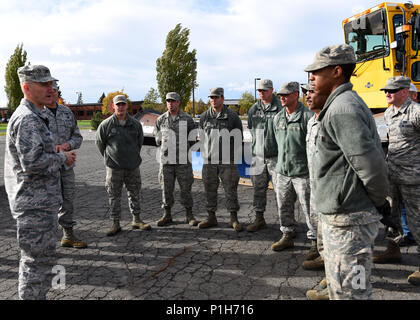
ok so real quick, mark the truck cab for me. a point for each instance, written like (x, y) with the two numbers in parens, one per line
(386, 40)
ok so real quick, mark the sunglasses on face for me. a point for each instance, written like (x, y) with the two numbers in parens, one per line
(170, 100)
(121, 104)
(391, 91)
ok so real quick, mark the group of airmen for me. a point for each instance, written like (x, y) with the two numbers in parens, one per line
(327, 156)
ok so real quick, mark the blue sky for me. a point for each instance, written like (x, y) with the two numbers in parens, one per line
(100, 46)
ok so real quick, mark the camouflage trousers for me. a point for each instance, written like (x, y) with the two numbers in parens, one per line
(36, 237)
(260, 181)
(288, 190)
(229, 175)
(347, 257)
(168, 173)
(65, 213)
(410, 195)
(115, 179)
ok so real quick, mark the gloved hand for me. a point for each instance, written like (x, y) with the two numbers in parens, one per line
(385, 211)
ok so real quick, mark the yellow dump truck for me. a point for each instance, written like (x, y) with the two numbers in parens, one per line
(386, 40)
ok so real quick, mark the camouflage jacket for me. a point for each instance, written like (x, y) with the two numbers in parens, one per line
(260, 119)
(312, 132)
(31, 164)
(63, 126)
(349, 169)
(404, 143)
(172, 137)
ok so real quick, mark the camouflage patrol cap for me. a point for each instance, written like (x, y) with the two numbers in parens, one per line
(289, 87)
(55, 85)
(35, 73)
(306, 87)
(265, 84)
(332, 56)
(413, 88)
(118, 99)
(173, 96)
(398, 82)
(217, 92)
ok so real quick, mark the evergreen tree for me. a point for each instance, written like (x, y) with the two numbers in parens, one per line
(176, 68)
(102, 97)
(13, 91)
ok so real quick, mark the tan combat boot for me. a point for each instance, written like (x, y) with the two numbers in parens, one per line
(315, 264)
(285, 242)
(70, 240)
(318, 295)
(166, 218)
(234, 223)
(114, 229)
(258, 224)
(190, 217)
(390, 255)
(210, 222)
(323, 283)
(414, 278)
(312, 252)
(138, 224)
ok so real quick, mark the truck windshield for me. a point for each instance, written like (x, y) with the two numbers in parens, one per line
(367, 36)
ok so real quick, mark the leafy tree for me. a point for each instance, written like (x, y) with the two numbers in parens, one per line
(107, 102)
(246, 102)
(200, 107)
(151, 101)
(13, 91)
(176, 68)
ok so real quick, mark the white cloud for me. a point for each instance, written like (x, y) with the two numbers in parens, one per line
(102, 45)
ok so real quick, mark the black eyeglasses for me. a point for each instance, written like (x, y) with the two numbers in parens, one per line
(121, 104)
(391, 91)
(170, 100)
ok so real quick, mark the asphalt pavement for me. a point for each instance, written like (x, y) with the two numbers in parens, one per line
(179, 262)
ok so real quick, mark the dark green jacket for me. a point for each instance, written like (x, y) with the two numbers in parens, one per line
(120, 145)
(260, 119)
(228, 126)
(349, 167)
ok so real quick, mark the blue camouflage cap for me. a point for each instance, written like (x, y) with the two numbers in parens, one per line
(35, 73)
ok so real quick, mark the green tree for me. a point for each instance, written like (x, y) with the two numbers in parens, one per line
(246, 102)
(13, 91)
(102, 97)
(96, 120)
(176, 68)
(151, 101)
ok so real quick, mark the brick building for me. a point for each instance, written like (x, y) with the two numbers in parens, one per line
(86, 111)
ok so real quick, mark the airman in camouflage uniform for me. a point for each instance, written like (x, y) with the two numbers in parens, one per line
(403, 122)
(66, 135)
(32, 181)
(264, 148)
(171, 134)
(315, 103)
(290, 128)
(220, 157)
(349, 175)
(119, 139)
